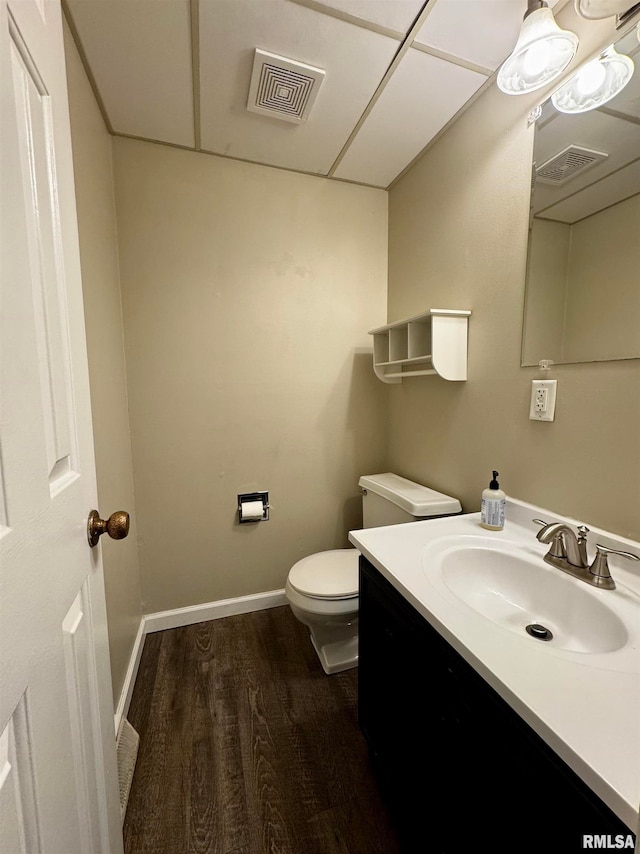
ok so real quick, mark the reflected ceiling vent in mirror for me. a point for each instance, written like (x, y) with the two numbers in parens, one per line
(567, 164)
(282, 88)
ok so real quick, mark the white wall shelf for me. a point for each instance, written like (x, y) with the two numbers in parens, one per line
(430, 343)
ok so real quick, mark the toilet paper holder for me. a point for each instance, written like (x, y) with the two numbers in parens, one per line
(251, 498)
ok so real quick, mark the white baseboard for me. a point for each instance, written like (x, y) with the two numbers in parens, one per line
(122, 709)
(162, 620)
(213, 610)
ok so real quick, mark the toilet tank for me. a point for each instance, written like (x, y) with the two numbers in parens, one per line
(388, 499)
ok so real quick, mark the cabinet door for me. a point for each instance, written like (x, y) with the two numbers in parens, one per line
(403, 709)
(398, 679)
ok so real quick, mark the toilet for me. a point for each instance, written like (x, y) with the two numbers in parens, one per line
(322, 589)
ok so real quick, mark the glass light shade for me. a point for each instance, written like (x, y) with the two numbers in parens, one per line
(595, 83)
(541, 54)
(594, 10)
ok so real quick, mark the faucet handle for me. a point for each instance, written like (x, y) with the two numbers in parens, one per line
(541, 522)
(600, 565)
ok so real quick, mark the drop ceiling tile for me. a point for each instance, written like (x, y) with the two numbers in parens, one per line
(419, 99)
(453, 26)
(355, 60)
(140, 56)
(393, 14)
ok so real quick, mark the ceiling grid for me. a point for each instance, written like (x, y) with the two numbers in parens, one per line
(398, 74)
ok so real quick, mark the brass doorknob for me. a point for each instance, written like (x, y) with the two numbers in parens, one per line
(117, 526)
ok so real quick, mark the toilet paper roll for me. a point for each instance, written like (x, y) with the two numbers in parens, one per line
(252, 509)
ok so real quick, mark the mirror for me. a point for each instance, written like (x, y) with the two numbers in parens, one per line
(582, 299)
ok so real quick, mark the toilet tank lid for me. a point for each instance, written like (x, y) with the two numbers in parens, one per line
(413, 497)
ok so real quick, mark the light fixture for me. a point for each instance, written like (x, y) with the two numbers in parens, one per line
(595, 83)
(594, 10)
(541, 54)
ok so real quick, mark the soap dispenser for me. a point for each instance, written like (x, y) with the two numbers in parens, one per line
(492, 510)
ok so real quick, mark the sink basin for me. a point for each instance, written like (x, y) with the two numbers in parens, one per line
(514, 590)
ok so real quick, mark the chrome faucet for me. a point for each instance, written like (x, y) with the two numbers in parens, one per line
(568, 552)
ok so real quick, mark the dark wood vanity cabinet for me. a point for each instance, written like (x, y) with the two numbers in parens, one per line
(461, 770)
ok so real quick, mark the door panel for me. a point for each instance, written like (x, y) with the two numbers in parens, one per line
(35, 136)
(18, 811)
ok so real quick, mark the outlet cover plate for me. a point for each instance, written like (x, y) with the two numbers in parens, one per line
(543, 400)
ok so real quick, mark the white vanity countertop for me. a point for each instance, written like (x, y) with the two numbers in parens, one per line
(589, 714)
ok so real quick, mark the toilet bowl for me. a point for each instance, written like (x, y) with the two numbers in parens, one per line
(322, 589)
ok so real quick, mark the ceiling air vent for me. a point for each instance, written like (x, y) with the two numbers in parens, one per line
(571, 161)
(282, 88)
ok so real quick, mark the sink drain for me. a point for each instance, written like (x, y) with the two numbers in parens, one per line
(538, 631)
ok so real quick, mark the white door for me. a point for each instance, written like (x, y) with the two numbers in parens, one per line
(58, 775)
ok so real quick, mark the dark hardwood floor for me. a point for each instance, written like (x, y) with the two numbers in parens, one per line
(247, 747)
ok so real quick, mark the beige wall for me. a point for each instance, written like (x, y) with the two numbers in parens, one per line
(582, 298)
(458, 239)
(546, 294)
(248, 292)
(603, 301)
(92, 158)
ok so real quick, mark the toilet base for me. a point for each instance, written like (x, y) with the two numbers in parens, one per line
(333, 628)
(337, 656)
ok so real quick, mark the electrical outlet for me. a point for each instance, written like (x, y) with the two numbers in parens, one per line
(543, 400)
